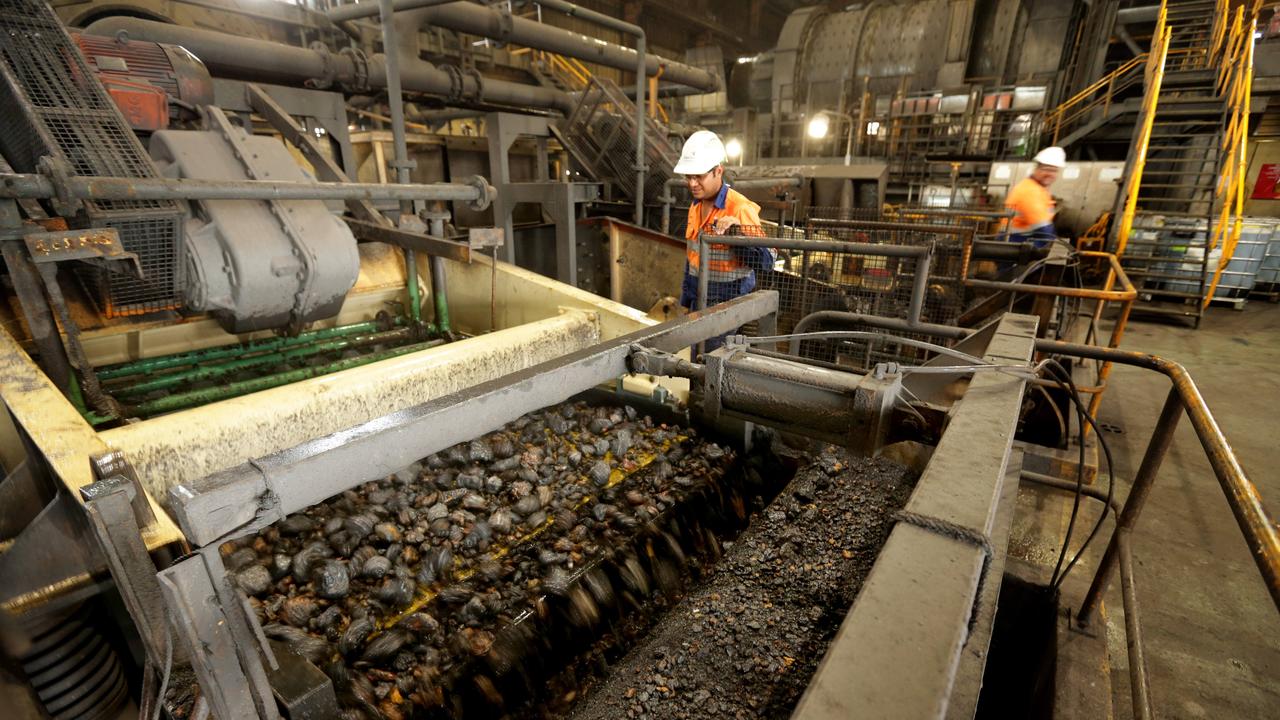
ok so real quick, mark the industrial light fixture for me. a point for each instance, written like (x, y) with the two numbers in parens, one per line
(818, 126)
(873, 127)
(733, 149)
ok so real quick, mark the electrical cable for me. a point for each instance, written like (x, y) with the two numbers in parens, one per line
(1075, 504)
(1064, 429)
(1059, 370)
(1058, 374)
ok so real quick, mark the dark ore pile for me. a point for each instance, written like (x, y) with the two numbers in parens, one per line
(463, 586)
(745, 642)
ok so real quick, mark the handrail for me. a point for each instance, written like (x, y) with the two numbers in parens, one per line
(1059, 118)
(1256, 524)
(1154, 73)
(1231, 183)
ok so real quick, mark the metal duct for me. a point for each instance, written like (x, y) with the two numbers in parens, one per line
(262, 60)
(500, 25)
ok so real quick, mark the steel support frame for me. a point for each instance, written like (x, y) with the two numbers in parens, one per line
(931, 574)
(923, 255)
(559, 199)
(1125, 296)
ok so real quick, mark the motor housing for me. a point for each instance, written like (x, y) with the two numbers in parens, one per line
(256, 264)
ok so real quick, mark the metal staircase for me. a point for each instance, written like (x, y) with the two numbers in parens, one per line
(1181, 203)
(600, 132)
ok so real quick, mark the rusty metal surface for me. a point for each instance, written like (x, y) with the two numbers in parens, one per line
(644, 266)
(87, 244)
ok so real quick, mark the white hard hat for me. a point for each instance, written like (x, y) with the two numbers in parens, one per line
(702, 152)
(1052, 156)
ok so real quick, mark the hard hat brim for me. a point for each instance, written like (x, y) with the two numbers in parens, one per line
(693, 166)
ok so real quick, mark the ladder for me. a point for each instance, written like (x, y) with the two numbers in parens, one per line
(1180, 208)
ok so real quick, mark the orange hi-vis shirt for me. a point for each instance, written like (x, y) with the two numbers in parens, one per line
(728, 203)
(1031, 204)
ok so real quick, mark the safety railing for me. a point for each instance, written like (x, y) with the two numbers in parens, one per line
(1153, 74)
(1097, 96)
(1254, 520)
(1235, 79)
(571, 72)
(1257, 525)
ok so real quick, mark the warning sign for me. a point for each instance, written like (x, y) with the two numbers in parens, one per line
(1265, 187)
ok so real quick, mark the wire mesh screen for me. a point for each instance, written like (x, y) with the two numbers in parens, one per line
(829, 265)
(52, 104)
(601, 134)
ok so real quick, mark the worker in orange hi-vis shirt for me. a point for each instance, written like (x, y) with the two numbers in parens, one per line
(717, 209)
(1031, 203)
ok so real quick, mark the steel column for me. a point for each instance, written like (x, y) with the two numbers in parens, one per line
(1139, 685)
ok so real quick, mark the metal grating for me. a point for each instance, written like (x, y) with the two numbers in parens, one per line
(51, 103)
(820, 280)
(601, 135)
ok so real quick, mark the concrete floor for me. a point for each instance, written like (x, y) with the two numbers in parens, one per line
(1211, 630)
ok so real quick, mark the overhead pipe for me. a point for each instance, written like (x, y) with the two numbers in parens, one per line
(502, 26)
(244, 58)
(343, 13)
(477, 192)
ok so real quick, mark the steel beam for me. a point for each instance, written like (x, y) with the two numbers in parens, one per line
(187, 445)
(409, 240)
(253, 495)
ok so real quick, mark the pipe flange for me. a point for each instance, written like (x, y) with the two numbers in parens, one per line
(506, 28)
(360, 64)
(325, 81)
(59, 172)
(479, 93)
(485, 195)
(455, 82)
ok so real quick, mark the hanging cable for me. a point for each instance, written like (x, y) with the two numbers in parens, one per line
(1063, 376)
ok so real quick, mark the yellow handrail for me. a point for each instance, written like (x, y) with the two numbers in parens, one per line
(1058, 117)
(1154, 72)
(1244, 77)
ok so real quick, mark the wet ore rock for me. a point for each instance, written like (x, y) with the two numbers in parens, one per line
(332, 581)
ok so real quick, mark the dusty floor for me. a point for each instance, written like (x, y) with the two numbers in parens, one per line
(1212, 632)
